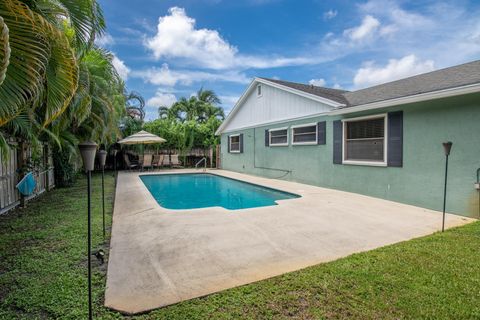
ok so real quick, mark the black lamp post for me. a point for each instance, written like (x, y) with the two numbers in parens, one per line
(447, 146)
(88, 150)
(102, 157)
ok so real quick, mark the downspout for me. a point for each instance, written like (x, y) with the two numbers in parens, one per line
(266, 168)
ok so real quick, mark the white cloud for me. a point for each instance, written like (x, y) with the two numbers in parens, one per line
(371, 74)
(161, 99)
(337, 86)
(166, 77)
(177, 38)
(330, 14)
(317, 82)
(105, 40)
(122, 69)
(428, 31)
(368, 26)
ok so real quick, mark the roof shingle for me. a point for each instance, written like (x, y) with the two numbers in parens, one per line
(328, 93)
(456, 76)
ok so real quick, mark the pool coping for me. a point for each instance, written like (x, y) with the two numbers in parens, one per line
(145, 235)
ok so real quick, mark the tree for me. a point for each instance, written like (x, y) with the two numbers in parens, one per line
(41, 43)
(55, 85)
(135, 105)
(199, 107)
(189, 122)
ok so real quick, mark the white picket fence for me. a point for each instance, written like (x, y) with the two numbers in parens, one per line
(9, 177)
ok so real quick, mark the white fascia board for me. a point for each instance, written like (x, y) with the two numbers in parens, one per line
(451, 92)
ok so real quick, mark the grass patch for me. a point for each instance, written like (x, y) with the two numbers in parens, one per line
(43, 273)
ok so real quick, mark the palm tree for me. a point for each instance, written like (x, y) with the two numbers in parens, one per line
(208, 96)
(186, 109)
(199, 107)
(210, 108)
(135, 106)
(213, 111)
(98, 104)
(164, 112)
(41, 43)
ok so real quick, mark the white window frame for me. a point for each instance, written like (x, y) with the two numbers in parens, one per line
(303, 126)
(278, 144)
(261, 90)
(230, 143)
(385, 141)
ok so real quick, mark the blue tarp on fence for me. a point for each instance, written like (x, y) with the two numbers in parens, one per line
(26, 186)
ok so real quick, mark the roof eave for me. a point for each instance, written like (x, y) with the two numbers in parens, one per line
(450, 92)
(326, 101)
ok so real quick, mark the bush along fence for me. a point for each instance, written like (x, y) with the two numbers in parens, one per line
(21, 160)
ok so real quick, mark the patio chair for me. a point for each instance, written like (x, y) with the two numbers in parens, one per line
(166, 161)
(175, 162)
(147, 161)
(157, 160)
(129, 164)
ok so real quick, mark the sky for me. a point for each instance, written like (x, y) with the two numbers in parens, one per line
(166, 50)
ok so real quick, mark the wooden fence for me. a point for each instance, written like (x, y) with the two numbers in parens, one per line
(9, 176)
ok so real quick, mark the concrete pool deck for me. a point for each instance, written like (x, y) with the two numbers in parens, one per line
(160, 257)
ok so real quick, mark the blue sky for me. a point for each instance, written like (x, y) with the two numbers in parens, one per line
(169, 49)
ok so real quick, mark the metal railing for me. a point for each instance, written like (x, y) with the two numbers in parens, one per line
(204, 159)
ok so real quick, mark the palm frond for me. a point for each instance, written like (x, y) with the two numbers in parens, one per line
(61, 79)
(28, 58)
(4, 50)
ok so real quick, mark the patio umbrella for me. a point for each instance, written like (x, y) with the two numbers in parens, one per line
(142, 137)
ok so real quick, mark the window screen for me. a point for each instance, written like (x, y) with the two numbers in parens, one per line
(305, 134)
(234, 143)
(365, 140)
(278, 136)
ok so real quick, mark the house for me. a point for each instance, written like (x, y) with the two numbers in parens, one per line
(384, 141)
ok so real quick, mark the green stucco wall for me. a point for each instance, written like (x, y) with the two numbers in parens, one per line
(419, 182)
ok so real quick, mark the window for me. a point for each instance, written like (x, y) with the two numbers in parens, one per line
(365, 140)
(279, 137)
(304, 134)
(235, 143)
(259, 91)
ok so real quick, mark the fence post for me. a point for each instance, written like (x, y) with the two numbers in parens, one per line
(217, 157)
(46, 167)
(20, 166)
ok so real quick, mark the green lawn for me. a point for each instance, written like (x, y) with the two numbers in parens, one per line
(43, 274)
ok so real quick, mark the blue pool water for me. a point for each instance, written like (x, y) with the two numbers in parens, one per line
(189, 191)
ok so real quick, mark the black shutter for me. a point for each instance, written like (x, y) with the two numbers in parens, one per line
(228, 141)
(267, 138)
(337, 141)
(322, 132)
(395, 139)
(241, 142)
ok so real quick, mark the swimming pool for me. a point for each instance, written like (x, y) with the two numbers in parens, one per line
(202, 190)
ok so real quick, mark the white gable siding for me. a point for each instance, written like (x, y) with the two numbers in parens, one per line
(273, 105)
